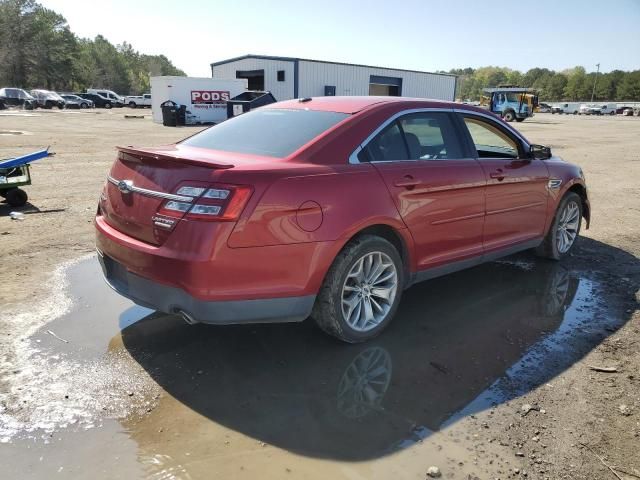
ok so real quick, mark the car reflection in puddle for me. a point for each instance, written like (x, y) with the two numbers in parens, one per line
(458, 344)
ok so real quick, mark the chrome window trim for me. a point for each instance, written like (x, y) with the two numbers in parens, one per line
(152, 193)
(353, 158)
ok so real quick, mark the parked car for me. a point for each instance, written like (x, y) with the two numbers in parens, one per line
(75, 101)
(16, 97)
(627, 112)
(48, 99)
(590, 109)
(116, 100)
(329, 207)
(608, 108)
(138, 101)
(99, 101)
(543, 108)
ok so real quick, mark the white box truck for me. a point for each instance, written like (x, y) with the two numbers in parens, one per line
(205, 98)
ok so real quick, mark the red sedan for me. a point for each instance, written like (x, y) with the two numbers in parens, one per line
(328, 207)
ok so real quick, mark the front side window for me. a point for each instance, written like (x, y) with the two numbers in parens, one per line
(270, 132)
(489, 140)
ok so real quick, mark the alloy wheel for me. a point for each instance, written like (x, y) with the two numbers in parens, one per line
(369, 291)
(568, 227)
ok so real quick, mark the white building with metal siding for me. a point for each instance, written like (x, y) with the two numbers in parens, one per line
(281, 90)
(288, 78)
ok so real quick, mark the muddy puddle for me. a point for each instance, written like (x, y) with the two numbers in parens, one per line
(112, 390)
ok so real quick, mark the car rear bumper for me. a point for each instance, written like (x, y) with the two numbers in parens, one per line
(168, 299)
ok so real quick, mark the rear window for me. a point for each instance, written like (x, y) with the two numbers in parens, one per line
(273, 133)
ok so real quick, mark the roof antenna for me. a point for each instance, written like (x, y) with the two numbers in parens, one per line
(305, 99)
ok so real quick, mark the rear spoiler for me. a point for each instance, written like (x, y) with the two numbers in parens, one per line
(146, 153)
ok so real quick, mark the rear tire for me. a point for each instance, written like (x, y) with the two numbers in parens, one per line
(564, 229)
(107, 105)
(519, 119)
(16, 197)
(361, 291)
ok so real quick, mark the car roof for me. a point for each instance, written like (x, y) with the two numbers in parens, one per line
(358, 103)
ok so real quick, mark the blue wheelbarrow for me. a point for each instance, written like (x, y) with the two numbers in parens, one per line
(14, 173)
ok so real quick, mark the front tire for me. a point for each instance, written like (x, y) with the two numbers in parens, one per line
(361, 291)
(564, 229)
(132, 104)
(509, 116)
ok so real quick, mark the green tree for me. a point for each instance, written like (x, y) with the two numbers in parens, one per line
(38, 50)
(577, 87)
(16, 40)
(629, 88)
(555, 87)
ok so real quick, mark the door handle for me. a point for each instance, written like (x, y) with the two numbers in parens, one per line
(498, 175)
(407, 182)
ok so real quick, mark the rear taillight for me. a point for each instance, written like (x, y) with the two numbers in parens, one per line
(220, 202)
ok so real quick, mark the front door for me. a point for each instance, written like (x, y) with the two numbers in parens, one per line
(516, 194)
(438, 192)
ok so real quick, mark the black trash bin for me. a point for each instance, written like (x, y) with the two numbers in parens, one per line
(169, 113)
(247, 101)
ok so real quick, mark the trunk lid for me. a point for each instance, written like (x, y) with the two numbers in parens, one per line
(142, 180)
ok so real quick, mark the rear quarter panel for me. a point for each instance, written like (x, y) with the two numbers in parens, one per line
(347, 198)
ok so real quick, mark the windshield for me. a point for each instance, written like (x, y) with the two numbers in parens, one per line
(270, 132)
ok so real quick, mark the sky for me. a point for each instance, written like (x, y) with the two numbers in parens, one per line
(425, 35)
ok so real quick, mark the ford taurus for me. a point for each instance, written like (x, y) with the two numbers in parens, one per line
(329, 208)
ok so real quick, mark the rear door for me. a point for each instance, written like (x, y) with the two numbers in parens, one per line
(438, 190)
(516, 193)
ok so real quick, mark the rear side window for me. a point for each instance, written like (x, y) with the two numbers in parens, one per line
(417, 136)
(430, 136)
(388, 145)
(270, 132)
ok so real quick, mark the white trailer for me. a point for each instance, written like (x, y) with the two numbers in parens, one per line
(205, 98)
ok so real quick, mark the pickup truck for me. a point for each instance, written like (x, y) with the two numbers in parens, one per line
(590, 109)
(138, 101)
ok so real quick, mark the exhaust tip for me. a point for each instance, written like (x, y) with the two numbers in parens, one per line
(187, 317)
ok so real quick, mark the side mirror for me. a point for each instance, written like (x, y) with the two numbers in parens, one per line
(540, 152)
